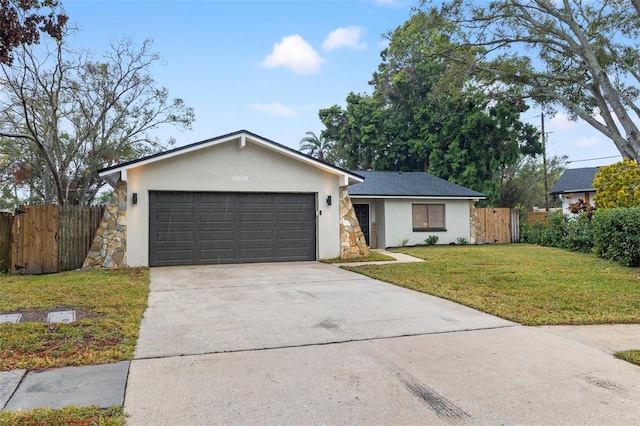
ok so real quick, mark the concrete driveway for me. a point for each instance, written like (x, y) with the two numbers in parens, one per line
(308, 343)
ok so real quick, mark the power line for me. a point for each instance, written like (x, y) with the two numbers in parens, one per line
(591, 159)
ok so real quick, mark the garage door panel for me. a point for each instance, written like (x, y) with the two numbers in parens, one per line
(174, 256)
(216, 217)
(257, 235)
(224, 236)
(257, 217)
(293, 235)
(175, 217)
(175, 236)
(174, 197)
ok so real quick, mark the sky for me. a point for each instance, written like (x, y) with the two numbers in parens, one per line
(268, 66)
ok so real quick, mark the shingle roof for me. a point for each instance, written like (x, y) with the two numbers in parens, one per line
(415, 184)
(575, 180)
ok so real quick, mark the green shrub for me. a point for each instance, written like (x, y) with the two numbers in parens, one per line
(462, 241)
(431, 240)
(556, 231)
(531, 234)
(579, 233)
(616, 235)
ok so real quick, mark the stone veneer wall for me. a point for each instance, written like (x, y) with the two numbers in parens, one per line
(477, 230)
(109, 247)
(352, 242)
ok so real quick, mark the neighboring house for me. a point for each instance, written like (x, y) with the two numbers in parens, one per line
(575, 184)
(241, 198)
(406, 207)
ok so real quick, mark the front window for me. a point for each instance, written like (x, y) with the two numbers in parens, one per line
(428, 217)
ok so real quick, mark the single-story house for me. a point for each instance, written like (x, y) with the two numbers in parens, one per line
(241, 198)
(575, 184)
(397, 208)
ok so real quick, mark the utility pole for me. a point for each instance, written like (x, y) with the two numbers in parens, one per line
(544, 165)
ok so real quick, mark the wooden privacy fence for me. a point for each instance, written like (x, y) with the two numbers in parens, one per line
(534, 217)
(497, 225)
(45, 239)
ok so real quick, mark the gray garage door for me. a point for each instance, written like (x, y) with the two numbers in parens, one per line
(188, 228)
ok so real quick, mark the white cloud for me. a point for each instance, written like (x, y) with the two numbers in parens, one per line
(561, 122)
(348, 37)
(274, 109)
(295, 53)
(586, 142)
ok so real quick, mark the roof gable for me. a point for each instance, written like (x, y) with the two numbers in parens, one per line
(408, 184)
(119, 171)
(575, 180)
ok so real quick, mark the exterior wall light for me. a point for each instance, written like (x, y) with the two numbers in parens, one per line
(329, 200)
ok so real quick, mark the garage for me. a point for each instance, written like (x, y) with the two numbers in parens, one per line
(189, 228)
(234, 198)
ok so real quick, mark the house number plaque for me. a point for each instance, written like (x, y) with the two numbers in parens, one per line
(238, 178)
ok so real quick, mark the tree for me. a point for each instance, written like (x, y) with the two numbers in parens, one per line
(316, 146)
(66, 115)
(523, 184)
(421, 117)
(22, 23)
(617, 185)
(356, 132)
(577, 55)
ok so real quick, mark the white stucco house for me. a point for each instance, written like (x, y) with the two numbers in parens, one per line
(396, 208)
(242, 198)
(575, 184)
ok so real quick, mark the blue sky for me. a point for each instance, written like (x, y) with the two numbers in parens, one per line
(268, 66)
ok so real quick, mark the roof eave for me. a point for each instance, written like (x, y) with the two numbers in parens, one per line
(571, 191)
(433, 197)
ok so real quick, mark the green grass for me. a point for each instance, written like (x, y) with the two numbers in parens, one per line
(632, 356)
(72, 416)
(374, 256)
(109, 305)
(529, 284)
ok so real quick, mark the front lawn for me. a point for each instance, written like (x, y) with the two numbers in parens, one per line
(109, 306)
(632, 356)
(70, 416)
(528, 284)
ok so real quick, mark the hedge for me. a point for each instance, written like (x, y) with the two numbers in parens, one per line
(616, 235)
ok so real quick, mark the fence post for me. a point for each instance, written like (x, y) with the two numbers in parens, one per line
(515, 225)
(6, 223)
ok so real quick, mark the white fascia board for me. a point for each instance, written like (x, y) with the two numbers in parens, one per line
(578, 190)
(413, 197)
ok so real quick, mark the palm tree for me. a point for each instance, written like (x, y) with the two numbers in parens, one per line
(316, 146)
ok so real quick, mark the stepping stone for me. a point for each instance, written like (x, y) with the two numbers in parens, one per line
(10, 318)
(61, 316)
